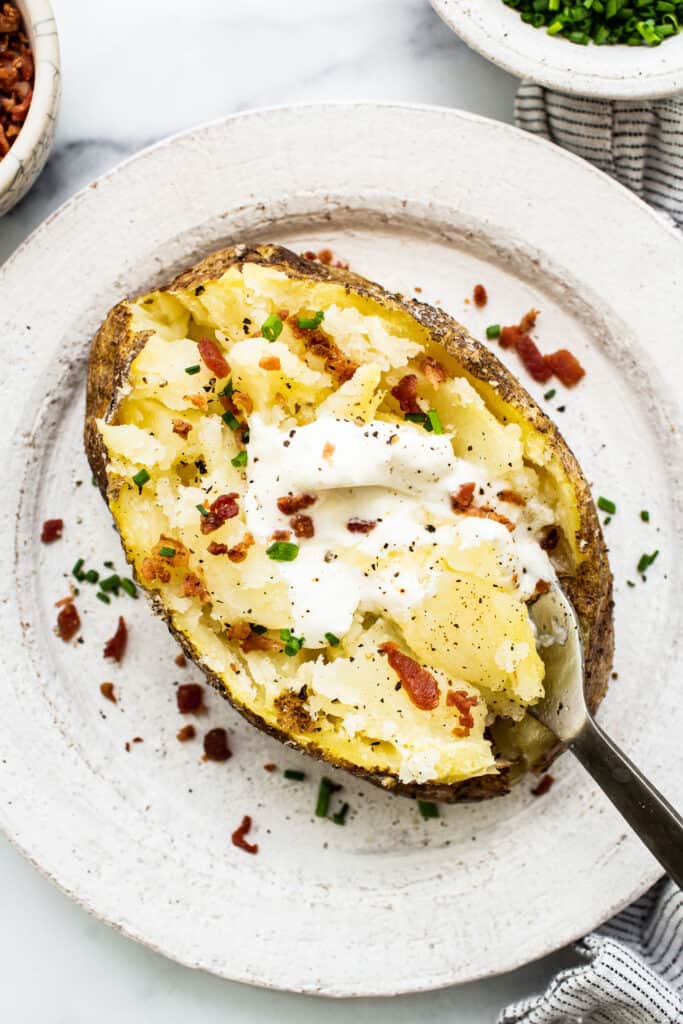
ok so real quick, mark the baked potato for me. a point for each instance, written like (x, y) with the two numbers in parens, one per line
(343, 505)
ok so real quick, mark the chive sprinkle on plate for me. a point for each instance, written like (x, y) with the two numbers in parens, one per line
(604, 22)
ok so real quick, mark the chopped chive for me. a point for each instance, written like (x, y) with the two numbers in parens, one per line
(93, 481)
(193, 369)
(340, 817)
(231, 420)
(293, 644)
(292, 773)
(228, 389)
(129, 587)
(428, 810)
(646, 561)
(493, 331)
(630, 583)
(111, 584)
(167, 552)
(103, 597)
(605, 505)
(310, 323)
(202, 510)
(550, 394)
(141, 478)
(271, 328)
(108, 565)
(332, 640)
(283, 551)
(240, 459)
(325, 791)
(259, 630)
(77, 570)
(433, 418)
(91, 576)
(645, 516)
(415, 417)
(607, 520)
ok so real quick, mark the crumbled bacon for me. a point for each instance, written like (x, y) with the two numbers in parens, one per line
(223, 508)
(405, 393)
(216, 745)
(213, 358)
(434, 372)
(339, 366)
(187, 732)
(485, 512)
(291, 503)
(215, 548)
(189, 697)
(199, 401)
(180, 660)
(270, 767)
(542, 587)
(181, 427)
(550, 539)
(535, 364)
(242, 402)
(355, 525)
(543, 786)
(463, 497)
(328, 450)
(238, 552)
(479, 295)
(511, 497)
(566, 367)
(302, 525)
(325, 256)
(528, 321)
(192, 586)
(461, 700)
(509, 336)
(281, 535)
(52, 530)
(181, 556)
(420, 685)
(107, 691)
(238, 631)
(155, 569)
(239, 834)
(16, 76)
(261, 642)
(115, 647)
(270, 363)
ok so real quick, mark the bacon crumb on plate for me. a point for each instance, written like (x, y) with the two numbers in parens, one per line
(216, 745)
(270, 767)
(115, 647)
(180, 660)
(68, 622)
(566, 367)
(480, 296)
(187, 732)
(543, 786)
(189, 698)
(52, 530)
(238, 836)
(107, 691)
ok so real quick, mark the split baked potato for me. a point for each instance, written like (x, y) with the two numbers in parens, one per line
(343, 505)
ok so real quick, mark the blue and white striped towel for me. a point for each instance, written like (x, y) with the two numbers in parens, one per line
(633, 972)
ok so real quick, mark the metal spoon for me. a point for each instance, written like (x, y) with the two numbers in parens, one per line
(563, 710)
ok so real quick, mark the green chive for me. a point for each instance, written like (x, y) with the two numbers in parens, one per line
(433, 418)
(77, 570)
(325, 791)
(493, 331)
(605, 505)
(293, 644)
(310, 323)
(129, 587)
(259, 630)
(108, 565)
(111, 584)
(193, 369)
(228, 389)
(607, 520)
(271, 328)
(646, 561)
(645, 516)
(417, 417)
(141, 478)
(203, 511)
(340, 817)
(428, 810)
(231, 420)
(630, 583)
(332, 640)
(283, 551)
(240, 459)
(550, 394)
(91, 576)
(103, 597)
(167, 552)
(292, 773)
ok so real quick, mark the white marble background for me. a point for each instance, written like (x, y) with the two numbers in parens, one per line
(134, 71)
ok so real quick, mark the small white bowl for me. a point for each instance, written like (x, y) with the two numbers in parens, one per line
(25, 160)
(609, 72)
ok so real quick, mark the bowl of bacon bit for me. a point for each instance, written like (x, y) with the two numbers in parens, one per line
(29, 94)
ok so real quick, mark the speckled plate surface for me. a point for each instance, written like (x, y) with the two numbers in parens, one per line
(416, 198)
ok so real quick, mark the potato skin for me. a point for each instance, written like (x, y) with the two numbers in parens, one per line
(590, 590)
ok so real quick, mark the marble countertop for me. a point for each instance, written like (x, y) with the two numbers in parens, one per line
(133, 72)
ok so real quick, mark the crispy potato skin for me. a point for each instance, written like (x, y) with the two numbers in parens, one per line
(590, 590)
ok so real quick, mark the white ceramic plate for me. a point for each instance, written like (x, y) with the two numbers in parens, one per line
(610, 72)
(413, 197)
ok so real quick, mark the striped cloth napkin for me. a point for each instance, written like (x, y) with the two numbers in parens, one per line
(633, 969)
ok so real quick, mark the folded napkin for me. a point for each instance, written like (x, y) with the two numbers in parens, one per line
(633, 971)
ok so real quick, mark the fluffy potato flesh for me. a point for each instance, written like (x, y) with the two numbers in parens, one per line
(340, 522)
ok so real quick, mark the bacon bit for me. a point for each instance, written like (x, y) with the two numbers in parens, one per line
(339, 366)
(528, 321)
(543, 786)
(213, 358)
(270, 767)
(242, 402)
(309, 255)
(550, 539)
(261, 642)
(180, 660)
(65, 600)
(188, 732)
(512, 498)
(509, 336)
(192, 586)
(270, 363)
(127, 746)
(325, 256)
(181, 427)
(419, 684)
(281, 535)
(155, 569)
(16, 76)
(52, 530)
(189, 697)
(418, 289)
(115, 647)
(542, 587)
(199, 401)
(405, 393)
(434, 372)
(461, 700)
(480, 296)
(238, 552)
(291, 503)
(534, 362)
(239, 631)
(223, 508)
(328, 450)
(107, 690)
(302, 526)
(462, 499)
(355, 525)
(566, 367)
(215, 548)
(239, 834)
(177, 561)
(216, 745)
(485, 512)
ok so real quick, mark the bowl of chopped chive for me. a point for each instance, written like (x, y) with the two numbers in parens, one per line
(612, 49)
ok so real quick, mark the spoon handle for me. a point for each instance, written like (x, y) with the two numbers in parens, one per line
(654, 819)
